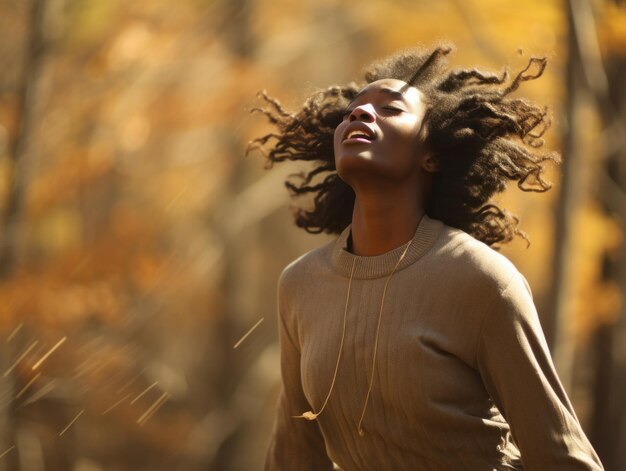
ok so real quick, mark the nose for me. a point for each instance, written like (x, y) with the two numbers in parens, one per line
(363, 112)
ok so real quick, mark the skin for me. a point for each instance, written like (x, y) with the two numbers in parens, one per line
(392, 174)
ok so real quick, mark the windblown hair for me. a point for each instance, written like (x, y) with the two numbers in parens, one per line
(481, 137)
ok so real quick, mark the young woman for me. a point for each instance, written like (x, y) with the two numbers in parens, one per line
(408, 343)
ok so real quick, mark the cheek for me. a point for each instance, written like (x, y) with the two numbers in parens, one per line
(339, 132)
(337, 137)
(409, 136)
(404, 148)
(402, 140)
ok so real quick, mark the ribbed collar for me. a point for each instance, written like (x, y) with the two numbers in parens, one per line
(381, 265)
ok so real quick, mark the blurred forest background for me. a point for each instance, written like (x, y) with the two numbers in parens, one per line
(138, 244)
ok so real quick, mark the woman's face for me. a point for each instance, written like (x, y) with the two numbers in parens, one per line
(380, 133)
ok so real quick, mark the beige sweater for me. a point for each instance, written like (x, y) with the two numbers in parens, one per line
(463, 379)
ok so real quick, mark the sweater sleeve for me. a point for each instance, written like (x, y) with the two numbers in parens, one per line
(297, 444)
(514, 362)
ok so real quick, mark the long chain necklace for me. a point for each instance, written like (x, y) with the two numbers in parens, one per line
(310, 415)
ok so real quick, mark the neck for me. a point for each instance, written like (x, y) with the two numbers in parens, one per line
(385, 220)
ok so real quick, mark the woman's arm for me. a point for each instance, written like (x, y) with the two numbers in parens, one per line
(297, 444)
(518, 373)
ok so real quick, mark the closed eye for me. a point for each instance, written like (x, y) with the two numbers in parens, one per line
(392, 109)
(388, 109)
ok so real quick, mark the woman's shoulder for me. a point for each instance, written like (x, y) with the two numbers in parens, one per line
(307, 264)
(467, 258)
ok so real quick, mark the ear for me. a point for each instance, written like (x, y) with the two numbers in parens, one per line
(430, 164)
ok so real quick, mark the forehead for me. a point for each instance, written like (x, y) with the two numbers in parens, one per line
(395, 88)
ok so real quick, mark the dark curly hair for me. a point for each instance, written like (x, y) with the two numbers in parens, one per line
(480, 136)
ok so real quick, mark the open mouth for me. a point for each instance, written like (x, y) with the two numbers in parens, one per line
(359, 135)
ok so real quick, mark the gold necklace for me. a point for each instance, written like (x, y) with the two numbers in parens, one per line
(310, 415)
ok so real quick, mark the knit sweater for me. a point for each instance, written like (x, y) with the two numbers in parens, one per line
(463, 377)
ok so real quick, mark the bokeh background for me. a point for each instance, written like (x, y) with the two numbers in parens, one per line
(138, 243)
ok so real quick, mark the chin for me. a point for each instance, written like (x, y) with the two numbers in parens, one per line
(347, 164)
(362, 167)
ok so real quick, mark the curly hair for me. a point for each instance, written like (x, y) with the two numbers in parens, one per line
(481, 137)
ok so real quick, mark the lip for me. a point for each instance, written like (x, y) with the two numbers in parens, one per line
(362, 127)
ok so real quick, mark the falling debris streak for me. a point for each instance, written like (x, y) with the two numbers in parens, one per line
(101, 365)
(2, 455)
(6, 393)
(89, 362)
(90, 344)
(248, 333)
(176, 198)
(25, 388)
(43, 358)
(114, 380)
(94, 367)
(41, 393)
(144, 392)
(84, 367)
(20, 358)
(129, 382)
(71, 423)
(116, 404)
(37, 352)
(15, 331)
(80, 264)
(153, 408)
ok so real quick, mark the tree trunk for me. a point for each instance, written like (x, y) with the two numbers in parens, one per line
(20, 155)
(608, 431)
(569, 196)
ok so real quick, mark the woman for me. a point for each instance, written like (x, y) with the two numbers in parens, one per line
(408, 343)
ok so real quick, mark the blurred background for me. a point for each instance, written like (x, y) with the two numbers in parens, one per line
(138, 244)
